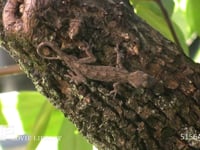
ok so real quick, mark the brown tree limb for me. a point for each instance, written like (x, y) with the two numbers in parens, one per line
(155, 118)
(10, 70)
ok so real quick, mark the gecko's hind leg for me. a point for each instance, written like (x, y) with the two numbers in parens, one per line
(75, 78)
(90, 57)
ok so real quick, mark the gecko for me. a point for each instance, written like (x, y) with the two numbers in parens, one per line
(81, 69)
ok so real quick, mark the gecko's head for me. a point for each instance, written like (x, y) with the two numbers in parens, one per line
(139, 79)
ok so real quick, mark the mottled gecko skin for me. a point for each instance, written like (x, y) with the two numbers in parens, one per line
(83, 71)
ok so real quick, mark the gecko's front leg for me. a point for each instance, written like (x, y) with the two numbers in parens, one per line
(118, 59)
(115, 89)
(118, 65)
(137, 79)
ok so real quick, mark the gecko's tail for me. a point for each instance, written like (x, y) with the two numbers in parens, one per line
(139, 79)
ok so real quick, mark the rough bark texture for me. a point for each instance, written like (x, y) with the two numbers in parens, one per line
(161, 117)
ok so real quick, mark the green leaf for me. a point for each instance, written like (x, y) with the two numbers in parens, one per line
(29, 105)
(55, 123)
(135, 2)
(197, 56)
(169, 6)
(151, 13)
(40, 125)
(2, 118)
(181, 38)
(71, 139)
(192, 14)
(38, 116)
(179, 17)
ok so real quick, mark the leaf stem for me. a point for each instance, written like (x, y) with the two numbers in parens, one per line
(169, 23)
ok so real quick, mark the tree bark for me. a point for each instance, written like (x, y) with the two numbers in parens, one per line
(165, 116)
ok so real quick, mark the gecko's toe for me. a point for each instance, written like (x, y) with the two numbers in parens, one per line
(115, 89)
(113, 93)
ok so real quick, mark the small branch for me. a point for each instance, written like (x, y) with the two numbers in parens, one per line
(169, 23)
(9, 70)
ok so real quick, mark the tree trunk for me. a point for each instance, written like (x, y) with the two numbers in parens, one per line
(165, 115)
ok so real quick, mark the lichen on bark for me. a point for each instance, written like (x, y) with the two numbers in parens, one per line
(153, 118)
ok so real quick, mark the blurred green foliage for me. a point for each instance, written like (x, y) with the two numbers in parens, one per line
(183, 14)
(2, 117)
(40, 118)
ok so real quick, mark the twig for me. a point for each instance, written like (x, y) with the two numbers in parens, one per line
(9, 70)
(169, 23)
